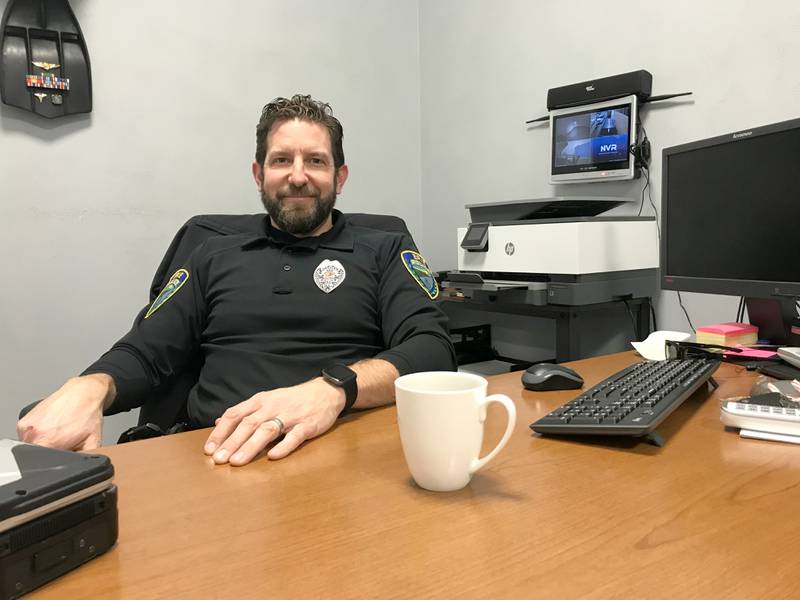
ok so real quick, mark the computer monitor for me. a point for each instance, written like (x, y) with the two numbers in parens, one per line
(731, 221)
(592, 142)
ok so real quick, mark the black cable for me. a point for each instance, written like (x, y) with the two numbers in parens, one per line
(639, 121)
(646, 169)
(740, 311)
(680, 301)
(639, 144)
(646, 185)
(650, 197)
(636, 333)
(653, 314)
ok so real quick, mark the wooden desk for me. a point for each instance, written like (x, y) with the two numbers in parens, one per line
(709, 515)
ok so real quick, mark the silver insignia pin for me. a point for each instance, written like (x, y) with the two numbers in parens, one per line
(328, 275)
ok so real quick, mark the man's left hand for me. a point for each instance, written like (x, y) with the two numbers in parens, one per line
(306, 411)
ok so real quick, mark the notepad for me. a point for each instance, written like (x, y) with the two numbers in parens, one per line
(728, 334)
(753, 353)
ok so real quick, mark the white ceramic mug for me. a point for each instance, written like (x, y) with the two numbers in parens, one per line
(441, 416)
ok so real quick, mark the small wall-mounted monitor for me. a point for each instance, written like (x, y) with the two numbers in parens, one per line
(593, 142)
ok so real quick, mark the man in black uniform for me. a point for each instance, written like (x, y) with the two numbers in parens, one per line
(296, 325)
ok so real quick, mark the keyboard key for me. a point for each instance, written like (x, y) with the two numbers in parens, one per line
(585, 420)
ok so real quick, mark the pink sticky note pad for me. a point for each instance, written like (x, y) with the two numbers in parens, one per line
(752, 353)
(729, 329)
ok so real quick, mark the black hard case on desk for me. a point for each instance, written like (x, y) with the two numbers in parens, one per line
(57, 511)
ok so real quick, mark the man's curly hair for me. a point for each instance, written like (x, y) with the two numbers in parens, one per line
(304, 108)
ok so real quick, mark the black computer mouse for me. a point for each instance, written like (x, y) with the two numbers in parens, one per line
(545, 377)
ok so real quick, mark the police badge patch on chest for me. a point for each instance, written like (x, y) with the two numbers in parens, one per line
(328, 275)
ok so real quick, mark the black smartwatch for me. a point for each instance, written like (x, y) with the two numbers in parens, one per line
(345, 378)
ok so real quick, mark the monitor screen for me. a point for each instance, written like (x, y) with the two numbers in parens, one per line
(592, 142)
(730, 217)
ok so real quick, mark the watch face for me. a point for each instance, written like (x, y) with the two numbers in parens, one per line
(339, 373)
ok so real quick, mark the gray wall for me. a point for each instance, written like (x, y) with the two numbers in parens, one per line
(89, 203)
(486, 68)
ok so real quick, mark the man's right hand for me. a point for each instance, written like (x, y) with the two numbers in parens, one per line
(71, 418)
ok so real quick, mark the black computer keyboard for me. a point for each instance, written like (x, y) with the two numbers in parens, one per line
(632, 402)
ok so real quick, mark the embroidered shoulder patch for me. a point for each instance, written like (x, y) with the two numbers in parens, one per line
(421, 272)
(173, 285)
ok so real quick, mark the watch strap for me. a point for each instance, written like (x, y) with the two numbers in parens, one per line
(349, 384)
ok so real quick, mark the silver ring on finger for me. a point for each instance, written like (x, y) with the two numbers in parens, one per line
(277, 422)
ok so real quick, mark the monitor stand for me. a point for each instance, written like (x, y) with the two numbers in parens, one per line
(773, 317)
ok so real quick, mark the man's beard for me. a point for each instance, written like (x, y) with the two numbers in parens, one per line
(297, 219)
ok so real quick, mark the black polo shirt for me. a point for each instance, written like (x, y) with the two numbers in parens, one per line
(267, 311)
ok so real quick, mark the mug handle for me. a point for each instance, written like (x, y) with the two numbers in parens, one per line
(512, 420)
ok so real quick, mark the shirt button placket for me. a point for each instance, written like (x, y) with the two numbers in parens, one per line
(288, 256)
(284, 285)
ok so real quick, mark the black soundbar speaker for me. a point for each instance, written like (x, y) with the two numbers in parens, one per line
(598, 90)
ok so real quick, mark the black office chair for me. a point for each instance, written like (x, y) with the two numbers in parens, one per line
(165, 408)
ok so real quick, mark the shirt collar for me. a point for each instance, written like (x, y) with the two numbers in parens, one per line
(339, 237)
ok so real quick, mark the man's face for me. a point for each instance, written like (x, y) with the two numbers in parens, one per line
(298, 182)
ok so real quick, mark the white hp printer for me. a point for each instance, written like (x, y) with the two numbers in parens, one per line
(555, 251)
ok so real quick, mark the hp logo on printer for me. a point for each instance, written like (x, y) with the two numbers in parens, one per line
(509, 248)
